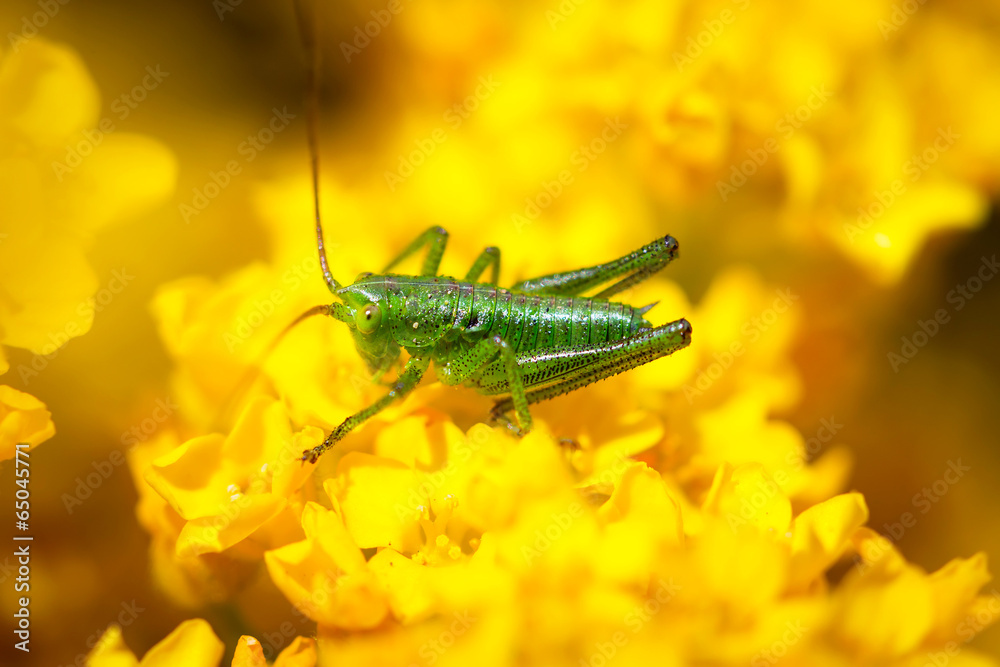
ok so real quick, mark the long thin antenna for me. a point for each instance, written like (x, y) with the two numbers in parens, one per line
(309, 39)
(251, 375)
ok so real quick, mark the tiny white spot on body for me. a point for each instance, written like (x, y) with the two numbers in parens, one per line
(416, 324)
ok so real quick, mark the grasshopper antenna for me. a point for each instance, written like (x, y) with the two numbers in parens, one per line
(252, 373)
(335, 310)
(308, 30)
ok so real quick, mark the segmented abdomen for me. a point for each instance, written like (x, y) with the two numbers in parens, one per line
(541, 321)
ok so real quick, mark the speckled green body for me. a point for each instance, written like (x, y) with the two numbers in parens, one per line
(538, 339)
(443, 317)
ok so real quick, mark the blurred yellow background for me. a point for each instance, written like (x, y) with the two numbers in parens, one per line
(710, 151)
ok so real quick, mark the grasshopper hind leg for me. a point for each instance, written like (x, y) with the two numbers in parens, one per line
(635, 267)
(550, 374)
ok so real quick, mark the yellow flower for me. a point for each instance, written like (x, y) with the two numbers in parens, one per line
(192, 580)
(497, 535)
(326, 576)
(300, 653)
(61, 181)
(191, 643)
(23, 419)
(686, 523)
(226, 488)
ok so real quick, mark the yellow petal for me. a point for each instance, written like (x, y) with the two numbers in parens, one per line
(747, 498)
(642, 498)
(46, 93)
(184, 477)
(406, 441)
(325, 576)
(822, 533)
(249, 653)
(300, 653)
(192, 644)
(955, 588)
(46, 284)
(410, 596)
(110, 650)
(126, 174)
(23, 418)
(214, 534)
(377, 496)
(288, 474)
(887, 618)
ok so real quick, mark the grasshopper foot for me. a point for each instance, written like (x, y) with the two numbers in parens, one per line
(500, 418)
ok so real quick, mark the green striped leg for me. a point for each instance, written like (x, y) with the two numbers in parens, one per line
(489, 256)
(551, 374)
(407, 382)
(635, 266)
(435, 238)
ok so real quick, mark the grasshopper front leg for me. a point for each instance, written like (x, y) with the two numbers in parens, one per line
(435, 238)
(407, 382)
(489, 257)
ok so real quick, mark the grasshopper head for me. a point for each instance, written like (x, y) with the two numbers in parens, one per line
(365, 311)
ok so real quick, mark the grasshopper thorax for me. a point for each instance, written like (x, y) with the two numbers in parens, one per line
(392, 311)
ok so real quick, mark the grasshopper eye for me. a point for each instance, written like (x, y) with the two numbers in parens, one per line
(368, 318)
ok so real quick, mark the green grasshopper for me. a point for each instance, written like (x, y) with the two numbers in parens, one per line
(529, 343)
(538, 339)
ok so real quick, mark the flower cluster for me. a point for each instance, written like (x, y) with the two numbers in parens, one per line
(685, 524)
(665, 516)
